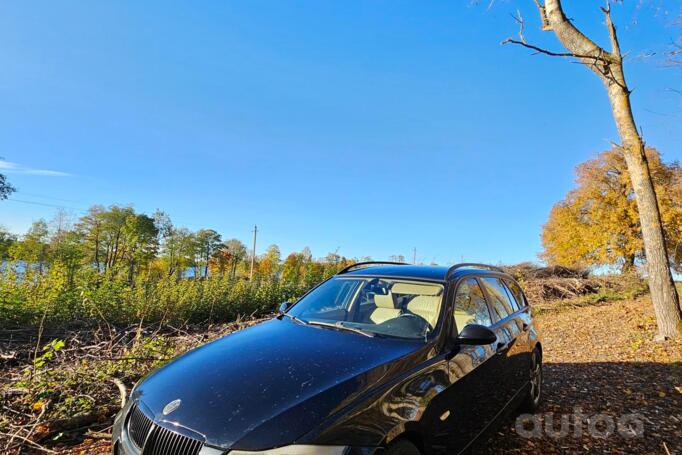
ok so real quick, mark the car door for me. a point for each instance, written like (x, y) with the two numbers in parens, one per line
(522, 319)
(470, 403)
(510, 349)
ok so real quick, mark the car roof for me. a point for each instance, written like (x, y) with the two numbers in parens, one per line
(421, 272)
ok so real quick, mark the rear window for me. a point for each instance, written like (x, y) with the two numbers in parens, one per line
(501, 305)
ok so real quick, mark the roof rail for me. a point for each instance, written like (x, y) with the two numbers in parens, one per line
(360, 264)
(463, 265)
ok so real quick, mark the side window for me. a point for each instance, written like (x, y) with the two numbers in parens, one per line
(500, 304)
(516, 292)
(512, 299)
(470, 306)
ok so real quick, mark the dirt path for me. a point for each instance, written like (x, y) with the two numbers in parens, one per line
(601, 361)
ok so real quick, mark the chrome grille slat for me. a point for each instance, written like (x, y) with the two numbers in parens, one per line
(171, 444)
(150, 447)
(156, 443)
(162, 438)
(179, 443)
(195, 447)
(186, 446)
(138, 426)
(153, 439)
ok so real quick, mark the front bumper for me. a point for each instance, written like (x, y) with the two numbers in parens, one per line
(122, 444)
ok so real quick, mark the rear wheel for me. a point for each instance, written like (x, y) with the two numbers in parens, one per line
(531, 402)
(402, 447)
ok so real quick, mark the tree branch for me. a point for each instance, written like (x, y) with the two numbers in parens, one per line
(615, 46)
(672, 55)
(519, 20)
(122, 390)
(555, 54)
(578, 46)
(576, 42)
(543, 15)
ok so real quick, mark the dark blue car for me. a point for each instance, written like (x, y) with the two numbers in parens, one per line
(380, 358)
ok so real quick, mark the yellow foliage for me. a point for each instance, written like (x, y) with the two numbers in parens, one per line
(597, 223)
(38, 406)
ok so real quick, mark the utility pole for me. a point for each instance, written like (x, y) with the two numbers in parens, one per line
(414, 255)
(253, 251)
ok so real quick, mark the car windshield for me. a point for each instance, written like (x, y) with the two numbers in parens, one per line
(376, 306)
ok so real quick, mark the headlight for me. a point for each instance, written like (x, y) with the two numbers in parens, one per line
(296, 450)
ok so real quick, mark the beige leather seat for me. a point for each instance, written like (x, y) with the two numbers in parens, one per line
(462, 319)
(426, 301)
(426, 306)
(385, 308)
(465, 306)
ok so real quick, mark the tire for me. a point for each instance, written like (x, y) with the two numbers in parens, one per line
(533, 398)
(402, 447)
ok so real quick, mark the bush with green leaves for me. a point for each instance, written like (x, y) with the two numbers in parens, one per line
(32, 296)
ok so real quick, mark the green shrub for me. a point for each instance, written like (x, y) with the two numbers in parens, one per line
(30, 296)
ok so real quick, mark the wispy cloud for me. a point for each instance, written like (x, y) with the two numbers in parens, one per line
(16, 168)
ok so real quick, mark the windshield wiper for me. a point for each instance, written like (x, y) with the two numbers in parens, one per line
(340, 326)
(293, 318)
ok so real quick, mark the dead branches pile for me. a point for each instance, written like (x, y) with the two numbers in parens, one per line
(64, 389)
(549, 284)
(555, 288)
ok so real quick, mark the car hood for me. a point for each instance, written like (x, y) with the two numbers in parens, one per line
(267, 385)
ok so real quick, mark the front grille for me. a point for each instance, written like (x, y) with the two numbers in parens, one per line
(138, 426)
(156, 440)
(167, 442)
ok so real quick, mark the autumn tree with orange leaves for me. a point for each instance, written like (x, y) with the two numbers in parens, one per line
(597, 223)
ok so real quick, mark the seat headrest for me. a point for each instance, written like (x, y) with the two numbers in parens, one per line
(384, 301)
(416, 289)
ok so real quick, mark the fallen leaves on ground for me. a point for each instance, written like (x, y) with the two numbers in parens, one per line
(602, 362)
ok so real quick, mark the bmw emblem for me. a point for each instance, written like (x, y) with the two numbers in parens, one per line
(172, 406)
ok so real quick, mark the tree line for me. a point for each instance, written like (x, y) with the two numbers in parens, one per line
(116, 254)
(124, 266)
(118, 243)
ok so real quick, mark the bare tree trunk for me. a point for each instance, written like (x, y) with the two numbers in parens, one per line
(663, 293)
(97, 249)
(608, 66)
(208, 258)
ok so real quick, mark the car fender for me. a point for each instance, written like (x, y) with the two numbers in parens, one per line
(399, 405)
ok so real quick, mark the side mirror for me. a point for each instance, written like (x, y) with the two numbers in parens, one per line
(285, 306)
(476, 335)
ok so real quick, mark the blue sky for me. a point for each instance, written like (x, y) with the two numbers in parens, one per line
(372, 127)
